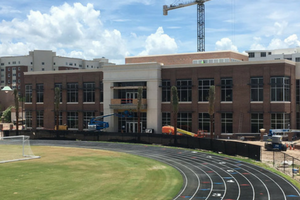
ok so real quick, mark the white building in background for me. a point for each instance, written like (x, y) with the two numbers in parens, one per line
(292, 54)
(12, 68)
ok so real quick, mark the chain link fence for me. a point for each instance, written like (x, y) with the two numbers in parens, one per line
(286, 164)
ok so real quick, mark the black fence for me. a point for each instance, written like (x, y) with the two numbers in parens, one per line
(226, 147)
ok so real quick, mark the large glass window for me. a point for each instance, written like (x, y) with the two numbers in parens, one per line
(184, 121)
(87, 116)
(28, 93)
(184, 88)
(280, 121)
(203, 88)
(226, 122)
(204, 122)
(59, 85)
(72, 119)
(166, 93)
(40, 92)
(40, 118)
(72, 92)
(166, 118)
(28, 118)
(280, 89)
(226, 89)
(257, 122)
(257, 85)
(88, 92)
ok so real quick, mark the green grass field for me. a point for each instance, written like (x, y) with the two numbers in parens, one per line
(74, 173)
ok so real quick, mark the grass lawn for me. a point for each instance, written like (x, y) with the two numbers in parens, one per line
(75, 173)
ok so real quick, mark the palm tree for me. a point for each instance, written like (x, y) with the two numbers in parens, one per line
(56, 106)
(174, 102)
(22, 99)
(139, 104)
(16, 98)
(211, 108)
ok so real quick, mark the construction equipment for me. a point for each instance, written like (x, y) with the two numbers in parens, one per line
(97, 123)
(170, 131)
(200, 19)
(273, 141)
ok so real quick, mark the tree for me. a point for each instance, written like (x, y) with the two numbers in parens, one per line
(139, 104)
(22, 99)
(56, 106)
(7, 115)
(211, 108)
(174, 102)
(16, 99)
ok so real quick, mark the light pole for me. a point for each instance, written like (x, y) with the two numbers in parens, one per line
(6, 89)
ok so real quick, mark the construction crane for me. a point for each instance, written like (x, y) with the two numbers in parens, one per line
(200, 19)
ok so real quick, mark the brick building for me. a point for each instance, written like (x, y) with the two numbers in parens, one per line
(190, 58)
(249, 95)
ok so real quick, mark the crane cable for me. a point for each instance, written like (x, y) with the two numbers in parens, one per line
(233, 20)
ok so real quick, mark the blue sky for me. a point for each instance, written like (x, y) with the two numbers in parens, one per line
(115, 29)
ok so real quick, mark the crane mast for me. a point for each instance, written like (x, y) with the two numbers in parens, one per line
(200, 19)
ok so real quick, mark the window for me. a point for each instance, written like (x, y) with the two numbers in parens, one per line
(280, 89)
(204, 122)
(297, 59)
(19, 74)
(184, 88)
(251, 54)
(226, 89)
(87, 116)
(257, 122)
(88, 92)
(59, 85)
(40, 92)
(263, 54)
(203, 88)
(72, 92)
(14, 62)
(72, 120)
(226, 122)
(101, 91)
(40, 118)
(166, 93)
(28, 118)
(280, 121)
(184, 121)
(43, 63)
(28, 93)
(257, 85)
(166, 118)
(19, 68)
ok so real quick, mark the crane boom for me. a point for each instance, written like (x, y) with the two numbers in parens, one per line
(200, 19)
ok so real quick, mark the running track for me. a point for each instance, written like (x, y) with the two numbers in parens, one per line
(205, 176)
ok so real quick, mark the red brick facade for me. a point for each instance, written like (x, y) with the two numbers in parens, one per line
(187, 58)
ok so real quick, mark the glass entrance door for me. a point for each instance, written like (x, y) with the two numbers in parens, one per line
(132, 127)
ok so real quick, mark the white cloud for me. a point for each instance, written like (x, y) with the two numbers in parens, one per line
(159, 43)
(277, 43)
(76, 27)
(225, 44)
